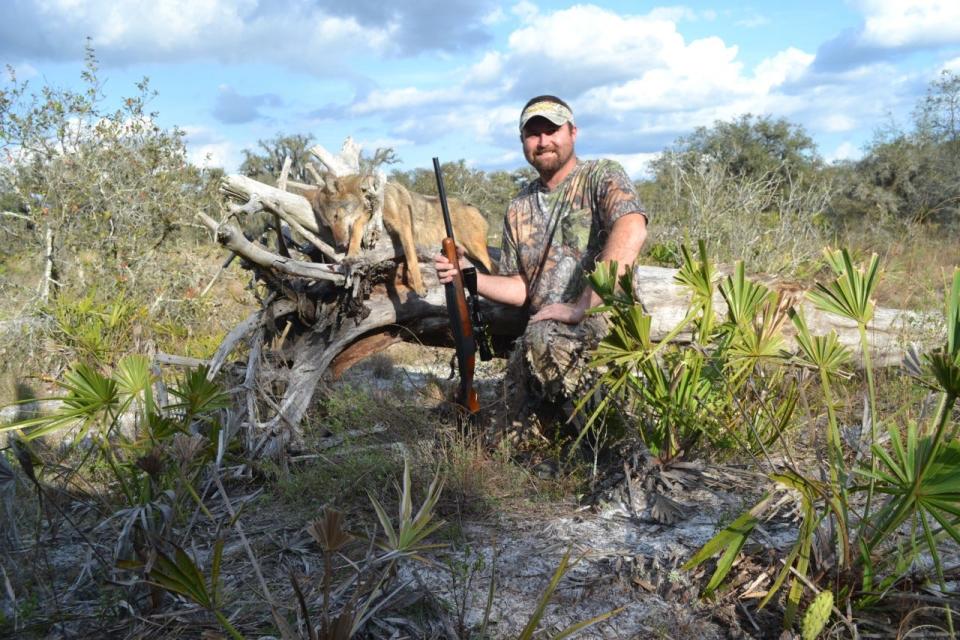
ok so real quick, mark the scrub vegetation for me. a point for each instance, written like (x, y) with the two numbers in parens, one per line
(130, 508)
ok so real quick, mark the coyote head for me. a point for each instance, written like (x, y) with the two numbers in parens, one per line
(340, 202)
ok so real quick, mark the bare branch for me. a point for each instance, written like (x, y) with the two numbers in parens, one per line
(345, 163)
(314, 173)
(18, 216)
(231, 237)
(290, 206)
(284, 173)
(324, 248)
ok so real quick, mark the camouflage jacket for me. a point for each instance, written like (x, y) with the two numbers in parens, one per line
(578, 214)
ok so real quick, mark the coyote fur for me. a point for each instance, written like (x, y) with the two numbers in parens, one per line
(346, 204)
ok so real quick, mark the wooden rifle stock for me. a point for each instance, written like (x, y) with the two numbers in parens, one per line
(458, 310)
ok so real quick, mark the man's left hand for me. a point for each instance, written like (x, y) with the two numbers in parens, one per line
(560, 311)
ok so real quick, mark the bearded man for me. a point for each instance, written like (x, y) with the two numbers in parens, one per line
(555, 231)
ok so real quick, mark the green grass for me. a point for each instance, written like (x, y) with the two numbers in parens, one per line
(337, 481)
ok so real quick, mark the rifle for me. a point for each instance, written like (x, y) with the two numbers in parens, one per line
(466, 320)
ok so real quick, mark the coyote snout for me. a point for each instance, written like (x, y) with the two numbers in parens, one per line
(343, 204)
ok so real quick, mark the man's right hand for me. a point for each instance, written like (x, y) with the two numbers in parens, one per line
(510, 290)
(446, 269)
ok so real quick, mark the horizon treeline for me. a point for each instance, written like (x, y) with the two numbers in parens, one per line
(755, 186)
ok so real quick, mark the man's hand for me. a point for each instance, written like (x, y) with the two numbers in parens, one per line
(446, 269)
(560, 311)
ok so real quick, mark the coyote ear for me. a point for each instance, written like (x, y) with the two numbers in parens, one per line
(368, 184)
(328, 184)
(368, 187)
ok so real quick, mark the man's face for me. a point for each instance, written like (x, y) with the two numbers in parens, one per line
(546, 146)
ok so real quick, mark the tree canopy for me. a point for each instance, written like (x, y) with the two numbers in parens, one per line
(102, 188)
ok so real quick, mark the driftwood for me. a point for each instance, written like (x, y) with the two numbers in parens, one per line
(668, 302)
(322, 317)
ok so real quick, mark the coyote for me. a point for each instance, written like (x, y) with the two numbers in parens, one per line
(345, 204)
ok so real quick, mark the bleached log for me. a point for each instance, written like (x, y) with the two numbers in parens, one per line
(345, 163)
(289, 206)
(391, 308)
(668, 302)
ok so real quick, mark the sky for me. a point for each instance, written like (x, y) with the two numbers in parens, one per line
(448, 78)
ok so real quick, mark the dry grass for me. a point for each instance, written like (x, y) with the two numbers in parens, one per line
(917, 267)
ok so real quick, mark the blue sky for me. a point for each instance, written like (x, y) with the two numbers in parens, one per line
(448, 78)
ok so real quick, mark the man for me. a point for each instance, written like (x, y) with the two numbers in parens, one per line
(555, 231)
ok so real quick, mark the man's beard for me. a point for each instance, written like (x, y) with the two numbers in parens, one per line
(548, 163)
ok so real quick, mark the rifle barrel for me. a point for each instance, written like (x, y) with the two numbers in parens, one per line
(443, 197)
(458, 310)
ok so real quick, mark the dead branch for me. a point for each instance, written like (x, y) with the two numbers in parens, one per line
(289, 206)
(231, 237)
(346, 163)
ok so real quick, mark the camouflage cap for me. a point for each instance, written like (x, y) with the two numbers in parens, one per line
(556, 113)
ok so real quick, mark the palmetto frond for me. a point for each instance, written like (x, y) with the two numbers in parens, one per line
(850, 294)
(921, 476)
(943, 365)
(198, 395)
(699, 276)
(824, 353)
(743, 297)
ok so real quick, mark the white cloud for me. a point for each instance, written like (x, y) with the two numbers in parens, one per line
(505, 158)
(838, 123)
(952, 65)
(845, 151)
(571, 51)
(586, 36)
(487, 123)
(616, 64)
(370, 145)
(161, 23)
(525, 10)
(672, 14)
(24, 71)
(476, 121)
(680, 13)
(224, 155)
(752, 21)
(494, 17)
(206, 149)
(299, 34)
(637, 165)
(899, 23)
(891, 28)
(489, 70)
(786, 65)
(405, 98)
(634, 80)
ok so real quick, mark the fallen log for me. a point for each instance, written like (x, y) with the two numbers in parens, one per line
(889, 333)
